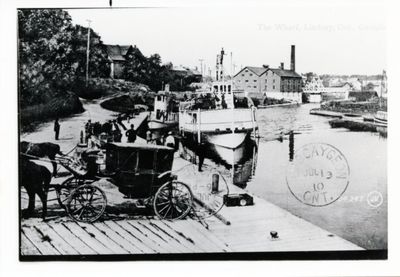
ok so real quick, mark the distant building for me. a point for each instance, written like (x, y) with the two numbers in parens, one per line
(338, 92)
(355, 83)
(186, 72)
(375, 85)
(117, 56)
(271, 82)
(252, 80)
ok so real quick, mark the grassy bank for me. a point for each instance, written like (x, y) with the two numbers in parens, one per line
(58, 107)
(353, 125)
(104, 87)
(272, 101)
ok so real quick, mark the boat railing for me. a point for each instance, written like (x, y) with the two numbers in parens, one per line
(167, 117)
(218, 120)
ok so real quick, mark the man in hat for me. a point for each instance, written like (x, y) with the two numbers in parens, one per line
(56, 128)
(131, 134)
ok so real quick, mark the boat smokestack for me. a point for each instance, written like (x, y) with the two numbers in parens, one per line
(293, 59)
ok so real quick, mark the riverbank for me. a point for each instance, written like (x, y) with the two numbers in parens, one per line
(292, 104)
(365, 108)
(317, 111)
(70, 102)
(32, 116)
(352, 121)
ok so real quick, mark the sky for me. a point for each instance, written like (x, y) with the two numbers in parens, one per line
(330, 37)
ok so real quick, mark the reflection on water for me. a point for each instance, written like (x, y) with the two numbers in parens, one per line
(262, 171)
(244, 158)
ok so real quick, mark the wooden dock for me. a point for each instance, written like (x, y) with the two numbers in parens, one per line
(249, 230)
(326, 113)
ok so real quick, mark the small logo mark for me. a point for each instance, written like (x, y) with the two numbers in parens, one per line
(375, 199)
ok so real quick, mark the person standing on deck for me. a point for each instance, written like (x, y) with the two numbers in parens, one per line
(223, 102)
(56, 128)
(88, 130)
(115, 125)
(107, 127)
(131, 134)
(117, 135)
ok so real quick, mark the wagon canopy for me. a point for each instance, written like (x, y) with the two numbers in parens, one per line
(139, 157)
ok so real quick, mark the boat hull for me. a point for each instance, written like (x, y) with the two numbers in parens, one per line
(380, 121)
(230, 155)
(228, 141)
(157, 125)
(218, 153)
(381, 118)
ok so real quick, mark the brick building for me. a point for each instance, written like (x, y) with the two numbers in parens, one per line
(262, 80)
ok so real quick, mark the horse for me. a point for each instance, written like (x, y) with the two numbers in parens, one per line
(41, 150)
(36, 180)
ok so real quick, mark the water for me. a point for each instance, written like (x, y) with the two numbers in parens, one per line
(350, 217)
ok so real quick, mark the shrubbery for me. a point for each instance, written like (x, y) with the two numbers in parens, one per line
(58, 107)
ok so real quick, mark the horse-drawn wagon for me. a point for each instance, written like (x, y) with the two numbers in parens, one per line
(141, 172)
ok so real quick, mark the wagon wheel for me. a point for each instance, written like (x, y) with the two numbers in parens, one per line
(86, 203)
(64, 190)
(173, 200)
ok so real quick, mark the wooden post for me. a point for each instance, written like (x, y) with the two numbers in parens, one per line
(198, 127)
(215, 183)
(253, 121)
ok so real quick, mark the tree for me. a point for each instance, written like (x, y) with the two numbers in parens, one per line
(135, 67)
(45, 54)
(99, 65)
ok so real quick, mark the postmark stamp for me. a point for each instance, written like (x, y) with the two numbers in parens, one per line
(375, 199)
(318, 175)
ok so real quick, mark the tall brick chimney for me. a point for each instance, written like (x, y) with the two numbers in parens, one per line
(282, 66)
(293, 59)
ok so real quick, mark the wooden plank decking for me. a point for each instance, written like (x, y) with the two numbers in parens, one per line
(249, 230)
(117, 237)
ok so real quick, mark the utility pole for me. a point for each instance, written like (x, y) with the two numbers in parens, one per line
(231, 64)
(201, 66)
(87, 53)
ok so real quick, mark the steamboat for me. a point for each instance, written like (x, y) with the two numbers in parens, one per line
(222, 124)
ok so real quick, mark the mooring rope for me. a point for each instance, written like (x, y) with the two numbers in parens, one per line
(70, 150)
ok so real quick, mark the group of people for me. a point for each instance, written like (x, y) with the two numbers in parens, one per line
(209, 102)
(167, 140)
(112, 128)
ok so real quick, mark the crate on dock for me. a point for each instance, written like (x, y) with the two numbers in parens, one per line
(242, 199)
